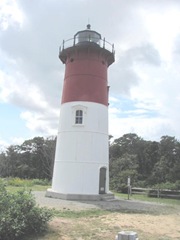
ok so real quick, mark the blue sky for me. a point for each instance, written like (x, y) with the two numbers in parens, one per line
(11, 123)
(144, 80)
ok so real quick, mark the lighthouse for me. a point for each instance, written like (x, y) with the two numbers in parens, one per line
(81, 168)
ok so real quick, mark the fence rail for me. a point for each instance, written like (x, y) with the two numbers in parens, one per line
(159, 193)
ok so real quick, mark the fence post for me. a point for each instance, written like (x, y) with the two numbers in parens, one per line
(129, 186)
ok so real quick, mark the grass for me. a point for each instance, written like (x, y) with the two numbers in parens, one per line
(32, 188)
(90, 213)
(148, 199)
(17, 184)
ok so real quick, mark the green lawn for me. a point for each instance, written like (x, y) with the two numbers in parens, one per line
(148, 199)
(17, 184)
(28, 188)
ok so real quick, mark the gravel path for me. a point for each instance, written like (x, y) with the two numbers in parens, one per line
(116, 204)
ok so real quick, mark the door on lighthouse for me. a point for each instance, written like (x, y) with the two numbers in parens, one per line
(102, 180)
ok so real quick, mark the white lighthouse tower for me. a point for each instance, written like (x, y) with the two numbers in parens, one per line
(81, 168)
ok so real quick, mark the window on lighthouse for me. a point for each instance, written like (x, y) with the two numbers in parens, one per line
(79, 117)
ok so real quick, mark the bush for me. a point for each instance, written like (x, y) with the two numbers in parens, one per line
(19, 215)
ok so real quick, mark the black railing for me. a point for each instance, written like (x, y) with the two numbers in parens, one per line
(78, 41)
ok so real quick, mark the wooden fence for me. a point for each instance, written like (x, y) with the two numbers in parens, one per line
(159, 193)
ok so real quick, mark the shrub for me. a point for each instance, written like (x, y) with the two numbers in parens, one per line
(20, 216)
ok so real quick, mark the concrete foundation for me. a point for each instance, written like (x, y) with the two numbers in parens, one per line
(80, 197)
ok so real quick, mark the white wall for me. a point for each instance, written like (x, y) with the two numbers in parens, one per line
(81, 149)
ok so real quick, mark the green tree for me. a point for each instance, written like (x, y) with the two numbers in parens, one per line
(149, 157)
(166, 169)
(3, 165)
(33, 159)
(122, 168)
(11, 160)
(40, 154)
(128, 143)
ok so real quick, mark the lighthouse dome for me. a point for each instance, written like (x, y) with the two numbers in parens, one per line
(87, 35)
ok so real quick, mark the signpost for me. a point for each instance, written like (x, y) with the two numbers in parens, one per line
(129, 186)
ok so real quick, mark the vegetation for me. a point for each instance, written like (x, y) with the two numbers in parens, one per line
(147, 163)
(33, 159)
(79, 214)
(19, 215)
(145, 198)
(17, 184)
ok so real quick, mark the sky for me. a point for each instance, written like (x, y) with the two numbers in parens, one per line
(144, 80)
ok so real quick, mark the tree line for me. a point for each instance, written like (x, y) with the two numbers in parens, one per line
(147, 163)
(32, 159)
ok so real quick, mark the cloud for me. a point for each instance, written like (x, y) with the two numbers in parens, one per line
(145, 72)
(10, 14)
(45, 124)
(148, 128)
(125, 75)
(3, 145)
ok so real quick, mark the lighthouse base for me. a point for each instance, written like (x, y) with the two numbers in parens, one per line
(80, 197)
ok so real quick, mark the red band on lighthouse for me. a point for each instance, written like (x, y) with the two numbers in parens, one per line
(85, 78)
